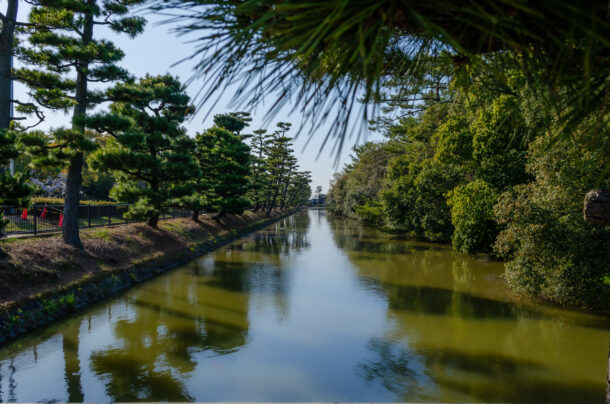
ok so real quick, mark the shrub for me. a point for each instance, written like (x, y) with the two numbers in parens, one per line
(371, 212)
(472, 217)
(552, 252)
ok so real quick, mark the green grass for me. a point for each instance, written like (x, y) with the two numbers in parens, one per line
(101, 234)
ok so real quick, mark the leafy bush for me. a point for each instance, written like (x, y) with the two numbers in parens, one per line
(472, 217)
(552, 252)
(415, 201)
(371, 212)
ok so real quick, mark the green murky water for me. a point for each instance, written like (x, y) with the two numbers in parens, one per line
(316, 309)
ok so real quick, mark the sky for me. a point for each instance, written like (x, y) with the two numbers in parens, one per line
(158, 50)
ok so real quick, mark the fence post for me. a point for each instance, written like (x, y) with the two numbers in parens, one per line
(126, 220)
(109, 213)
(35, 219)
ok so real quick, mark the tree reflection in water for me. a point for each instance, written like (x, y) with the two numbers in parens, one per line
(72, 372)
(453, 334)
(201, 310)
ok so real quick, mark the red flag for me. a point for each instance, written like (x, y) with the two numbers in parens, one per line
(43, 215)
(24, 215)
(61, 220)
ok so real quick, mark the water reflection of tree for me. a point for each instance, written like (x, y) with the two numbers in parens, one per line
(430, 291)
(285, 237)
(352, 236)
(70, 342)
(173, 320)
(262, 260)
(202, 310)
(397, 369)
(420, 277)
(12, 385)
(441, 373)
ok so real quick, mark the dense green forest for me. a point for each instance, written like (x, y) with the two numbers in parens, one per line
(480, 164)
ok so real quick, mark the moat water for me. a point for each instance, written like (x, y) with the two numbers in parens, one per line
(315, 308)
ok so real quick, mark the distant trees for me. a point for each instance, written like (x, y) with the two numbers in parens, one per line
(235, 176)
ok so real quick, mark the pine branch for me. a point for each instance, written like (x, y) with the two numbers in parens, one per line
(33, 108)
(26, 24)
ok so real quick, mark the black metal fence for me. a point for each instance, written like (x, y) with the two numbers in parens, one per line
(49, 218)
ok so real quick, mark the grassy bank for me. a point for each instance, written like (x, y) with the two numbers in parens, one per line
(43, 279)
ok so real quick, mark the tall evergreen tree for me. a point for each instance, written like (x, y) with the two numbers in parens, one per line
(9, 38)
(204, 197)
(64, 58)
(279, 160)
(259, 178)
(8, 23)
(14, 189)
(300, 190)
(149, 151)
(290, 167)
(224, 159)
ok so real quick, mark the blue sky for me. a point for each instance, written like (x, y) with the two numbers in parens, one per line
(157, 50)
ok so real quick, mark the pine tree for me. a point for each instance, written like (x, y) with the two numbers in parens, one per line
(278, 162)
(234, 122)
(64, 58)
(8, 23)
(204, 197)
(290, 168)
(259, 178)
(149, 150)
(14, 189)
(300, 190)
(224, 159)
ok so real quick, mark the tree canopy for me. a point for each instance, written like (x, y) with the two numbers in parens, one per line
(149, 152)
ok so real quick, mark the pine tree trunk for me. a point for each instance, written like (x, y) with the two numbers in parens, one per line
(294, 194)
(271, 205)
(70, 228)
(153, 221)
(267, 202)
(195, 215)
(6, 58)
(74, 180)
(285, 190)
